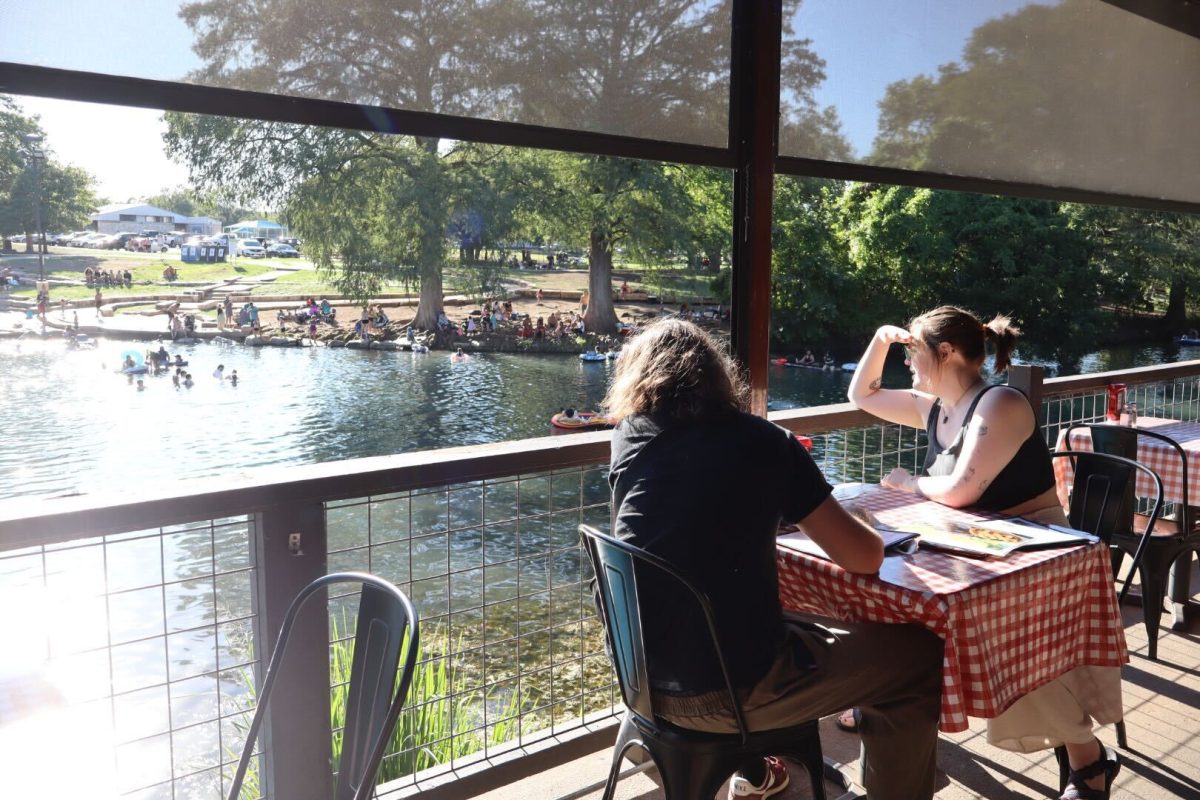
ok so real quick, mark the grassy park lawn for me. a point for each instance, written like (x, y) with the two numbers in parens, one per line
(70, 263)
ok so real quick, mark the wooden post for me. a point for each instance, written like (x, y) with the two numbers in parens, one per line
(296, 739)
(1028, 378)
(753, 128)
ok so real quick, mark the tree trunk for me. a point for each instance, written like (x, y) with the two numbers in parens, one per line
(714, 259)
(429, 306)
(434, 210)
(601, 317)
(28, 242)
(1176, 317)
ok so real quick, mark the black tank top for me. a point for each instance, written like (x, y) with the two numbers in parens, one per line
(1026, 476)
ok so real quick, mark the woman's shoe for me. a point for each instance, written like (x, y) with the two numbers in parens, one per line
(1107, 765)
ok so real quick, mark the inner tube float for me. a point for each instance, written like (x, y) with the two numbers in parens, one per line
(175, 363)
(592, 355)
(140, 369)
(419, 348)
(581, 421)
(850, 366)
(1187, 340)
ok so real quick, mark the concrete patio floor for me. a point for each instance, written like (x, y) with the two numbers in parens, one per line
(1162, 703)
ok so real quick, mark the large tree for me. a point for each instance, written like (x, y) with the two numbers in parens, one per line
(61, 195)
(913, 249)
(1069, 94)
(411, 55)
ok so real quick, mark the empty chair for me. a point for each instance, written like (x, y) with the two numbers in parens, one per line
(692, 764)
(1102, 504)
(386, 632)
(1172, 538)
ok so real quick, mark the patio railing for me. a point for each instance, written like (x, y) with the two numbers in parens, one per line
(155, 613)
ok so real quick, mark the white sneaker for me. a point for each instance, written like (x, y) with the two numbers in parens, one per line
(775, 782)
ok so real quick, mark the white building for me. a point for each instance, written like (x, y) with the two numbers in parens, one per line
(123, 217)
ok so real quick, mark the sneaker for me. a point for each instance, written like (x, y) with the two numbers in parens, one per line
(775, 782)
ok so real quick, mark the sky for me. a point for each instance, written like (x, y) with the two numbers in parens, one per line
(122, 147)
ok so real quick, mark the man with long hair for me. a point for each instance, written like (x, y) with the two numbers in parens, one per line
(704, 485)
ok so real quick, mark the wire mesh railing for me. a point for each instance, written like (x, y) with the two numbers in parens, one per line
(1173, 398)
(512, 648)
(142, 641)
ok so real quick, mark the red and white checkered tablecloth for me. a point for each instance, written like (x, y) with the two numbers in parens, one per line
(1156, 455)
(1009, 625)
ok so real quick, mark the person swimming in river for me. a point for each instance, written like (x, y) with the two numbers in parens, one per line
(178, 360)
(141, 386)
(129, 363)
(233, 378)
(827, 362)
(808, 359)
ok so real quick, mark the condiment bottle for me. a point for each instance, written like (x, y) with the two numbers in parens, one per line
(1116, 396)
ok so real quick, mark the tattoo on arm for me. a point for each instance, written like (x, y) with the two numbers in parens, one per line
(875, 384)
(983, 484)
(983, 429)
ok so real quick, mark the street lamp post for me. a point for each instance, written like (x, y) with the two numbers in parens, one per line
(37, 158)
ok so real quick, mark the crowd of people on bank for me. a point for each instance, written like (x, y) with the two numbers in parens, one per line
(107, 277)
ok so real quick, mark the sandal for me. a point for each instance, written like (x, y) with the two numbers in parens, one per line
(852, 725)
(1075, 786)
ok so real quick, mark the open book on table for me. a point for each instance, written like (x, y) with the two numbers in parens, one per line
(982, 538)
(995, 538)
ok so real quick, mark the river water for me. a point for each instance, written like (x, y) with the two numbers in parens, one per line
(73, 426)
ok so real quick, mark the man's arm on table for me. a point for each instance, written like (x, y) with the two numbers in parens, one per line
(852, 544)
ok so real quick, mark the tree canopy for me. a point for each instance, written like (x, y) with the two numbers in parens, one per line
(63, 195)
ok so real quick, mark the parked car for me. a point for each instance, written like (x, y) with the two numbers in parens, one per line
(281, 250)
(291, 241)
(76, 239)
(251, 248)
(93, 240)
(119, 239)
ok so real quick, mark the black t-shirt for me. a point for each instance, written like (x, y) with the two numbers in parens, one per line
(708, 498)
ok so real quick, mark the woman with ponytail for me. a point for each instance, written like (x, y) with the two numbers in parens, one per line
(986, 451)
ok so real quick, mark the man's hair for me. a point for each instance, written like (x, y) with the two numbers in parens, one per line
(673, 368)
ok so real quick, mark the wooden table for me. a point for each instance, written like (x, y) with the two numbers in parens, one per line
(1009, 625)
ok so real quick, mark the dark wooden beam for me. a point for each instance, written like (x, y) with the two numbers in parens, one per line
(867, 173)
(754, 126)
(1182, 15)
(120, 90)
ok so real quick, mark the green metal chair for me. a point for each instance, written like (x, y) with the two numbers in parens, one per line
(693, 764)
(386, 632)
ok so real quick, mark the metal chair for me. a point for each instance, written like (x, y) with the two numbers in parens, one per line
(692, 763)
(1102, 504)
(1173, 538)
(385, 616)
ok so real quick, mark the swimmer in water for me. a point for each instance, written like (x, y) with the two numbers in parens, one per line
(233, 378)
(141, 385)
